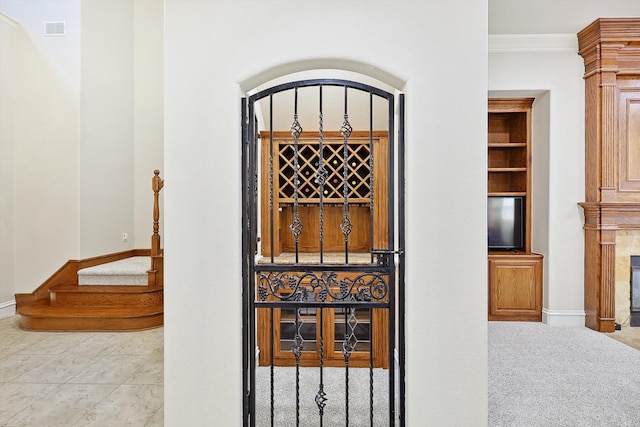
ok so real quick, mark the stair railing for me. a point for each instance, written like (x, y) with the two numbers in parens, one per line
(156, 273)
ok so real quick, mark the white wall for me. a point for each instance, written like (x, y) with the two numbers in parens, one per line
(214, 50)
(555, 74)
(106, 169)
(8, 82)
(148, 109)
(45, 142)
(87, 133)
(122, 105)
(553, 16)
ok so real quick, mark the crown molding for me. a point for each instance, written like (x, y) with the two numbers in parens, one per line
(533, 43)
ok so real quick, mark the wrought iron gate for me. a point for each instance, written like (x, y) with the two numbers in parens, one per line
(323, 261)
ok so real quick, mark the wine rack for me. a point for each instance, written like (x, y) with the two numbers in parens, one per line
(366, 186)
(358, 172)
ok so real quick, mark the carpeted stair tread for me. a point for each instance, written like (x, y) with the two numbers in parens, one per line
(128, 271)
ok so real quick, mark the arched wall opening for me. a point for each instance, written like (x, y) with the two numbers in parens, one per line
(346, 149)
(328, 67)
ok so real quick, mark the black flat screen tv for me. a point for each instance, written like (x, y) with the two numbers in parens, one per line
(505, 222)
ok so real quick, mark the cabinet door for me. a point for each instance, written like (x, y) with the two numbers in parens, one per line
(277, 330)
(365, 329)
(515, 289)
(322, 329)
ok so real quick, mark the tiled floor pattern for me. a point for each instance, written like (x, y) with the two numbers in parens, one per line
(627, 335)
(101, 379)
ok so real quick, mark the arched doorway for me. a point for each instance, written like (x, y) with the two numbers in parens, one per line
(323, 239)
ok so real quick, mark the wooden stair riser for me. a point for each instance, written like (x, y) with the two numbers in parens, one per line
(112, 298)
(93, 324)
(40, 316)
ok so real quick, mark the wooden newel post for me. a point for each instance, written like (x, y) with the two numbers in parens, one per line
(156, 186)
(157, 268)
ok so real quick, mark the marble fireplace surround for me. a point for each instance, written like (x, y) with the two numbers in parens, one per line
(627, 245)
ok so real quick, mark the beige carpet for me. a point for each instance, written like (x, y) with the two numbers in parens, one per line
(542, 376)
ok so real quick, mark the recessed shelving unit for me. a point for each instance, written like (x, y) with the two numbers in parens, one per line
(515, 276)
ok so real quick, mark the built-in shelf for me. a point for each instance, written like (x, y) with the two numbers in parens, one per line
(508, 193)
(507, 144)
(515, 277)
(507, 169)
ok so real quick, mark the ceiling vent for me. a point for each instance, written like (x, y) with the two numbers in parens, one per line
(54, 28)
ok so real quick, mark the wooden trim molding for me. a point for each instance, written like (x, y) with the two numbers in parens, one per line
(611, 45)
(611, 216)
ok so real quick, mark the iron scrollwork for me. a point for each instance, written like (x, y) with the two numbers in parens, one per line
(286, 286)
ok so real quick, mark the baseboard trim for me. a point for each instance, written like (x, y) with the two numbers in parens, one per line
(7, 309)
(565, 318)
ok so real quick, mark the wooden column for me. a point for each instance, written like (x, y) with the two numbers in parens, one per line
(611, 52)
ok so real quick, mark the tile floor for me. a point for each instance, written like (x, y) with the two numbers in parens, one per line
(77, 379)
(627, 335)
(98, 379)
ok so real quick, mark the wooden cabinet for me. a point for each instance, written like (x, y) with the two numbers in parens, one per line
(515, 275)
(367, 325)
(515, 291)
(323, 329)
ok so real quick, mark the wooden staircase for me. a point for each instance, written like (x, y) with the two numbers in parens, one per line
(106, 301)
(62, 304)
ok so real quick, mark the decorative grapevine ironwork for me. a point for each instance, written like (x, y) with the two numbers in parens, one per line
(299, 286)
